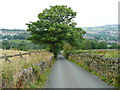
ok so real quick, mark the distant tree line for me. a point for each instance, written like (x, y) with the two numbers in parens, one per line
(92, 44)
(84, 45)
(22, 45)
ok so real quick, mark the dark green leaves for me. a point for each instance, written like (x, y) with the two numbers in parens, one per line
(54, 27)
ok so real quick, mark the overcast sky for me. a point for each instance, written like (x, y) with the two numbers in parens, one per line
(15, 13)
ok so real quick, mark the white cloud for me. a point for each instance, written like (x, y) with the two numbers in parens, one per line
(15, 13)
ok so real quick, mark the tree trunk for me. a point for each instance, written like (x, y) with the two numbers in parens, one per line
(55, 55)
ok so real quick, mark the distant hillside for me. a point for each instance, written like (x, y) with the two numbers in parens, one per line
(12, 29)
(8, 34)
(11, 32)
(107, 33)
(102, 33)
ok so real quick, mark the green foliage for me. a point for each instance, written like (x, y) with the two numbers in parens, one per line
(86, 44)
(40, 81)
(114, 46)
(67, 49)
(102, 45)
(91, 44)
(54, 27)
(6, 45)
(20, 45)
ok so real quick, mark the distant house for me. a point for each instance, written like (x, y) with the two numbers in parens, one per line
(109, 45)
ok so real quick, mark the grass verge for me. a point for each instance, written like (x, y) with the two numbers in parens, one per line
(97, 74)
(11, 70)
(41, 80)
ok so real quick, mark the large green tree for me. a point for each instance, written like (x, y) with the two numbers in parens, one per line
(54, 27)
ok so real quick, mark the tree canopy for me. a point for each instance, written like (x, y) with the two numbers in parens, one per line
(54, 27)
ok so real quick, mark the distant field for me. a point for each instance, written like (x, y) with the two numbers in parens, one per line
(18, 41)
(107, 53)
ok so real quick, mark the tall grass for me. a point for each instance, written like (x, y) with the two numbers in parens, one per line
(9, 52)
(107, 53)
(10, 70)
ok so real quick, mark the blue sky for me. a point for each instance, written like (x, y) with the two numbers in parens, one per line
(15, 13)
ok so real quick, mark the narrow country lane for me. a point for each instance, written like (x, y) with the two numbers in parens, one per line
(66, 74)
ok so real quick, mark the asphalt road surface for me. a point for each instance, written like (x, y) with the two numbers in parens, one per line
(66, 74)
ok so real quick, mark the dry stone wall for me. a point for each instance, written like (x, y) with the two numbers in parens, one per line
(105, 67)
(28, 75)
